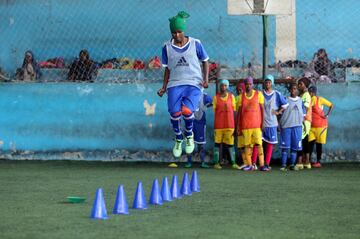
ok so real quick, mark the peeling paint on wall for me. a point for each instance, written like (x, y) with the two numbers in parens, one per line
(140, 88)
(73, 155)
(84, 90)
(11, 21)
(12, 146)
(149, 109)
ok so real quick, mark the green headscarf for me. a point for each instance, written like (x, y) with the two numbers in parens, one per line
(178, 22)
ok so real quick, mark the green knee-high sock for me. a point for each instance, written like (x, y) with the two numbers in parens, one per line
(232, 155)
(216, 155)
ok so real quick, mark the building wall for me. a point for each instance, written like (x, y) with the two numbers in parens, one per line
(70, 117)
(98, 116)
(327, 24)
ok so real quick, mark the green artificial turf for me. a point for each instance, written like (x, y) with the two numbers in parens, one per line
(317, 203)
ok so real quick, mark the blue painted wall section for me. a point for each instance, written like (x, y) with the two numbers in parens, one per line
(328, 24)
(70, 117)
(65, 120)
(65, 116)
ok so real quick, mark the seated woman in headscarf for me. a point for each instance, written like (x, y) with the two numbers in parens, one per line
(322, 67)
(30, 69)
(83, 68)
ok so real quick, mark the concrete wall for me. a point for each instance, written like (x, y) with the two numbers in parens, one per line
(65, 118)
(47, 119)
(328, 24)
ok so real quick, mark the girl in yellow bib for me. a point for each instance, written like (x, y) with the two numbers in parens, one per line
(249, 122)
(224, 124)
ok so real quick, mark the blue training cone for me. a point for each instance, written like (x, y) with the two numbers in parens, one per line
(185, 186)
(99, 210)
(194, 184)
(120, 206)
(139, 200)
(155, 196)
(165, 191)
(174, 190)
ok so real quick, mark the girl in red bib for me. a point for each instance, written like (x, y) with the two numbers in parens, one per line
(319, 124)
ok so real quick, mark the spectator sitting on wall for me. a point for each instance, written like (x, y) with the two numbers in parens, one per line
(321, 67)
(83, 68)
(30, 69)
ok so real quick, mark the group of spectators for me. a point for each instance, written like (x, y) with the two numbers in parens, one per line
(84, 68)
(81, 69)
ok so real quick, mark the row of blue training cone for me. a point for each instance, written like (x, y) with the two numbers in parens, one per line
(157, 197)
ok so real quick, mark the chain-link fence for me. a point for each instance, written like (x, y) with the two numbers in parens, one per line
(123, 39)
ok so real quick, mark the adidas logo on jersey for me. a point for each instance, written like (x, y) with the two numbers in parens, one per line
(182, 62)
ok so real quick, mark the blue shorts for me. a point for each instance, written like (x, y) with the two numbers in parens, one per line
(291, 138)
(199, 129)
(187, 95)
(269, 135)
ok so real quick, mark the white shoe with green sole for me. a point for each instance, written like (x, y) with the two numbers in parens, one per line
(177, 150)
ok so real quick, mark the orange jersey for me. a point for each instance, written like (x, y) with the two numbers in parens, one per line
(224, 113)
(318, 116)
(251, 115)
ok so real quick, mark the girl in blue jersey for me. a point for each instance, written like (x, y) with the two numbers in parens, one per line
(274, 105)
(291, 128)
(184, 80)
(199, 130)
